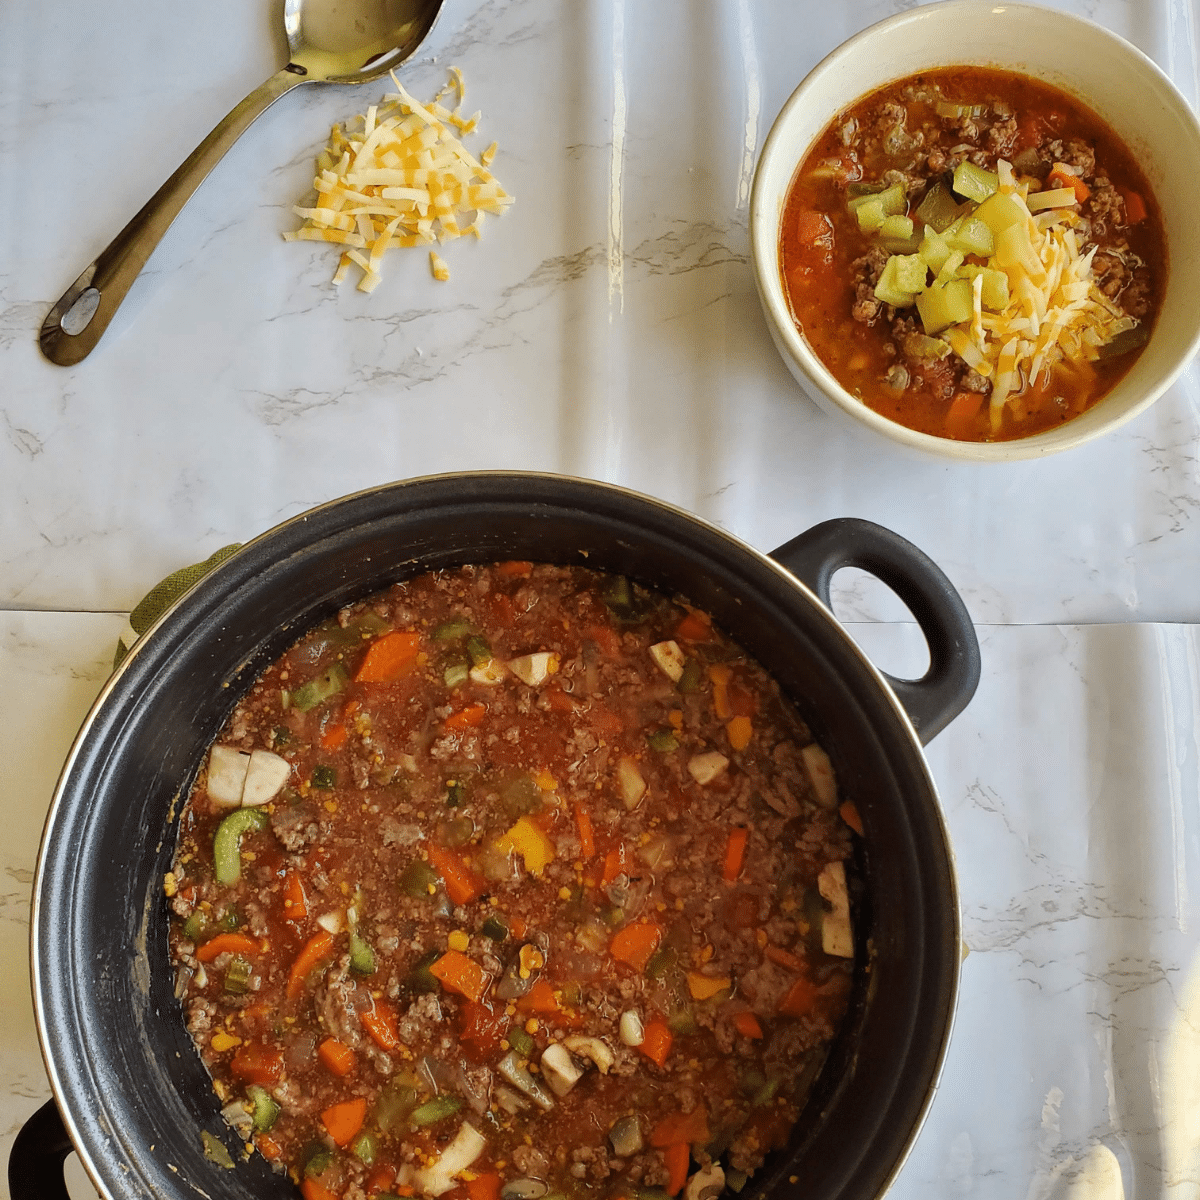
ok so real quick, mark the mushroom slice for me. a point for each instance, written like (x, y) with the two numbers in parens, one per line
(559, 1069)
(265, 776)
(704, 768)
(836, 936)
(227, 769)
(706, 1184)
(593, 1048)
(820, 775)
(467, 1146)
(669, 659)
(534, 668)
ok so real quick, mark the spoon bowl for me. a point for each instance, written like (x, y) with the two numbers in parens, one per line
(329, 41)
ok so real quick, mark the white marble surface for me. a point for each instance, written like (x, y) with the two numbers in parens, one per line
(608, 327)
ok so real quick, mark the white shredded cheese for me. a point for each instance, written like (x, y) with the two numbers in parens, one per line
(397, 176)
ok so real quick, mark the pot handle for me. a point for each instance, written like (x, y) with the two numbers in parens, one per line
(35, 1163)
(934, 700)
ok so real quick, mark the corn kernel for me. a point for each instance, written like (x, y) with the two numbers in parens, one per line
(458, 940)
(222, 1041)
(564, 893)
(170, 885)
(531, 1026)
(761, 938)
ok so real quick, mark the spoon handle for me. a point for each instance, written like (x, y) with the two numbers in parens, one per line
(76, 323)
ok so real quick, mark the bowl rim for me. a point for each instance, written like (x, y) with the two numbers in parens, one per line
(764, 242)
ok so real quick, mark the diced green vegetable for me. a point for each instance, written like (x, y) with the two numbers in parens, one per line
(395, 1102)
(365, 1148)
(888, 289)
(735, 1180)
(973, 236)
(870, 215)
(520, 795)
(859, 188)
(683, 1022)
(237, 975)
(1126, 340)
(266, 1109)
(944, 305)
(362, 956)
(215, 1150)
(494, 929)
(998, 212)
(918, 346)
(195, 928)
(938, 208)
(910, 272)
(457, 832)
(315, 691)
(689, 681)
(662, 740)
(417, 878)
(891, 201)
(281, 735)
(896, 227)
(456, 793)
(949, 267)
(227, 842)
(452, 630)
(661, 961)
(974, 182)
(995, 286)
(420, 978)
(316, 1158)
(437, 1109)
(945, 109)
(324, 777)
(934, 250)
(478, 650)
(520, 1041)
(456, 674)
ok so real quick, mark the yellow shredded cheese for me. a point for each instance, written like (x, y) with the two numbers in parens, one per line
(398, 176)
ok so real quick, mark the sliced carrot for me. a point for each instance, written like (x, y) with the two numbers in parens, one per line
(268, 1147)
(607, 639)
(635, 943)
(540, 999)
(558, 700)
(484, 1187)
(295, 902)
(849, 814)
(462, 884)
(587, 839)
(740, 731)
(693, 628)
(256, 1062)
(1064, 179)
(746, 1023)
(318, 947)
(1135, 206)
(604, 721)
(785, 959)
(801, 998)
(389, 658)
(334, 738)
(336, 1056)
(228, 943)
(735, 853)
(380, 1024)
(657, 1040)
(460, 974)
(466, 718)
(516, 569)
(688, 1127)
(381, 1179)
(677, 1158)
(811, 227)
(314, 1189)
(962, 415)
(720, 676)
(615, 861)
(345, 1119)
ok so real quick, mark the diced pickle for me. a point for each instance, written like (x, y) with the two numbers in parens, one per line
(890, 201)
(995, 286)
(910, 272)
(896, 227)
(362, 956)
(315, 691)
(972, 236)
(999, 212)
(870, 215)
(944, 305)
(949, 267)
(938, 208)
(888, 290)
(934, 250)
(974, 182)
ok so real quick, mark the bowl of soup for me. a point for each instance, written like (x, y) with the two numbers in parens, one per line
(972, 231)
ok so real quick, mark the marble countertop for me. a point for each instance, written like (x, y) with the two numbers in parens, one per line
(608, 327)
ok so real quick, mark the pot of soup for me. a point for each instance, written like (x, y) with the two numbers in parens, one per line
(503, 835)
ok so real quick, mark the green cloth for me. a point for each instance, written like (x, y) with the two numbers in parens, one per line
(162, 596)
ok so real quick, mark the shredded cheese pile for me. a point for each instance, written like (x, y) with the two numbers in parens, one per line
(397, 175)
(1055, 313)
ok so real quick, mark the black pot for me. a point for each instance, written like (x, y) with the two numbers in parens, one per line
(131, 1090)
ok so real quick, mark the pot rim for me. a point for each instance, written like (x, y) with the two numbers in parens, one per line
(112, 686)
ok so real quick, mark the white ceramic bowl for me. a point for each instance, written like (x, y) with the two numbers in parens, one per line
(1113, 78)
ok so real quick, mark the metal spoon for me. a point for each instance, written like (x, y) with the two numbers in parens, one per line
(330, 41)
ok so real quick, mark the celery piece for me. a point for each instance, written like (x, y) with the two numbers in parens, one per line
(910, 272)
(452, 630)
(520, 1041)
(237, 975)
(891, 200)
(897, 227)
(888, 290)
(870, 215)
(938, 208)
(974, 182)
(455, 674)
(266, 1108)
(324, 777)
(973, 236)
(365, 1148)
(436, 1109)
(944, 305)
(362, 956)
(934, 250)
(662, 740)
(227, 842)
(478, 650)
(949, 267)
(999, 212)
(417, 878)
(328, 683)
